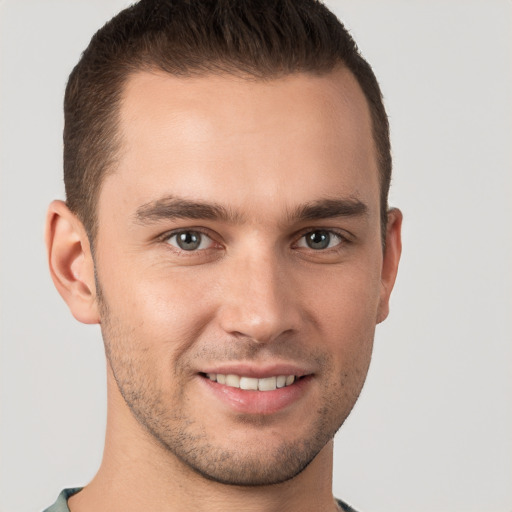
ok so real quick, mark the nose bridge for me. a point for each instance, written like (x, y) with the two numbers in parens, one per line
(257, 300)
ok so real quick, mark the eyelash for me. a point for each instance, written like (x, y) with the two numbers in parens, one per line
(167, 236)
(342, 236)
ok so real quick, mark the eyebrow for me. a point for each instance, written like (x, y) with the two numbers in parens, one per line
(330, 208)
(170, 207)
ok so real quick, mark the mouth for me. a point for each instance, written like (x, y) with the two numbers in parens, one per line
(251, 383)
(257, 390)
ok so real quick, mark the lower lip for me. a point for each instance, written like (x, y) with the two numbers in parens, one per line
(258, 402)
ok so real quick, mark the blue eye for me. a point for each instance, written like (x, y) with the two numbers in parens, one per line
(320, 239)
(190, 240)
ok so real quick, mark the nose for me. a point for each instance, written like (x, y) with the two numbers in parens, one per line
(259, 300)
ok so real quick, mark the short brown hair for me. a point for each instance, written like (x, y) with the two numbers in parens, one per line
(258, 38)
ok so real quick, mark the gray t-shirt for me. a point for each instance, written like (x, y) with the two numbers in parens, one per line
(61, 505)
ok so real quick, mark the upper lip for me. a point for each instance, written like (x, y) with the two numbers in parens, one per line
(257, 371)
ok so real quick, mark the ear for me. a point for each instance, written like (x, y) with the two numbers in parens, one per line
(71, 263)
(390, 261)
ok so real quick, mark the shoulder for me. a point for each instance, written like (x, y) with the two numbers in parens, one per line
(61, 505)
(344, 506)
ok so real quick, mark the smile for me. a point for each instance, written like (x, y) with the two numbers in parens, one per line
(251, 383)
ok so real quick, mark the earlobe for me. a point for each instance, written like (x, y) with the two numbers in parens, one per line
(71, 263)
(391, 259)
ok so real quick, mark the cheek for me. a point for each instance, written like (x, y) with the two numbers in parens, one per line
(157, 309)
(163, 311)
(346, 315)
(147, 328)
(348, 298)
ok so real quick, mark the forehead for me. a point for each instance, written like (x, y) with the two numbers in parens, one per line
(242, 141)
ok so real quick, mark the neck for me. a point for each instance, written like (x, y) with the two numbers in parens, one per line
(137, 473)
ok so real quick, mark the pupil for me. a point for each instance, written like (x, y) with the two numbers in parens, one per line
(318, 240)
(189, 240)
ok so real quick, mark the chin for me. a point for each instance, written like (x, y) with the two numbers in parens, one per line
(229, 468)
(258, 459)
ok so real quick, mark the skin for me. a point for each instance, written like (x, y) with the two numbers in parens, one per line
(254, 297)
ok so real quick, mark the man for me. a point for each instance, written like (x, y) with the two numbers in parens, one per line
(227, 165)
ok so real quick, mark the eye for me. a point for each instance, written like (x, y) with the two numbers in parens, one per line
(190, 240)
(320, 239)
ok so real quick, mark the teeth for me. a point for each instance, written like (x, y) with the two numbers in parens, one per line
(281, 381)
(233, 381)
(268, 384)
(250, 383)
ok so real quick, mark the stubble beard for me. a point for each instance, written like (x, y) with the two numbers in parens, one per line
(186, 439)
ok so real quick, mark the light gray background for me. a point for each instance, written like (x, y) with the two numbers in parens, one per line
(432, 430)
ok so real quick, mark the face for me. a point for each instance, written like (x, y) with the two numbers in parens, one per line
(240, 265)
